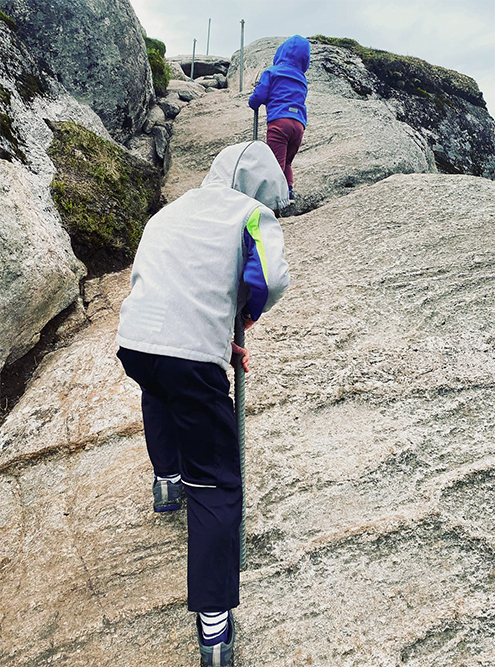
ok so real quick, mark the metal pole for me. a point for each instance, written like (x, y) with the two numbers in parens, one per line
(240, 415)
(240, 405)
(241, 63)
(192, 63)
(208, 40)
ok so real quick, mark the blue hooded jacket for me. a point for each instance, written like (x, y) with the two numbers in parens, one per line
(283, 87)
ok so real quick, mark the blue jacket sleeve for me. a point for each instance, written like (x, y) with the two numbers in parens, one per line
(266, 272)
(260, 94)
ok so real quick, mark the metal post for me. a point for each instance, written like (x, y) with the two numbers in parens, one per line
(240, 405)
(240, 415)
(241, 63)
(192, 63)
(208, 40)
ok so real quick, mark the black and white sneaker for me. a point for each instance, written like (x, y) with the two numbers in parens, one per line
(167, 496)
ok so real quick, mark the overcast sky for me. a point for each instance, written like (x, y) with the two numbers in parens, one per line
(457, 34)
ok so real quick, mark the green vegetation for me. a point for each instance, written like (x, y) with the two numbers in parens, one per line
(8, 21)
(156, 45)
(160, 69)
(412, 75)
(103, 195)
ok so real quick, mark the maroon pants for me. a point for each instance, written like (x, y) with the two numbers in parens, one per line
(284, 137)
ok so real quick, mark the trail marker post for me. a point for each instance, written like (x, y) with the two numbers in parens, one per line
(241, 58)
(192, 63)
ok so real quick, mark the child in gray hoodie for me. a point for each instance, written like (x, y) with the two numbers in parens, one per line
(216, 250)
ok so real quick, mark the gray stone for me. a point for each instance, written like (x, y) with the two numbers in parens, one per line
(160, 135)
(143, 146)
(155, 115)
(96, 49)
(176, 71)
(212, 81)
(170, 108)
(39, 275)
(203, 65)
(186, 91)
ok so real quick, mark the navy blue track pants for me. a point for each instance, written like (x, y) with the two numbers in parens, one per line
(190, 428)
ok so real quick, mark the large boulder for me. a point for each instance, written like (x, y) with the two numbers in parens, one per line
(370, 460)
(96, 50)
(39, 273)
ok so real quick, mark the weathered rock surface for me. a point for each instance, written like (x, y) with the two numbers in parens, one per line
(39, 274)
(370, 460)
(96, 49)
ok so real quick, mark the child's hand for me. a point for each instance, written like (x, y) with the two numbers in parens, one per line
(236, 349)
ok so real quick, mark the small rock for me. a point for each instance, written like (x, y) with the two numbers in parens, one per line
(160, 135)
(155, 116)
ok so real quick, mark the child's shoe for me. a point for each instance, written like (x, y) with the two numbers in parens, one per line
(219, 655)
(167, 496)
(292, 196)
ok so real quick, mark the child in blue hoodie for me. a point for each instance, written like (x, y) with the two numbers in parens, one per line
(283, 89)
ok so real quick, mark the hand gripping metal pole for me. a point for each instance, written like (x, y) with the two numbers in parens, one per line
(240, 413)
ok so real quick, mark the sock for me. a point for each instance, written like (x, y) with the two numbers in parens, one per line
(170, 478)
(214, 626)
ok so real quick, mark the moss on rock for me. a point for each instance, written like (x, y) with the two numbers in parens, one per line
(160, 69)
(411, 75)
(104, 196)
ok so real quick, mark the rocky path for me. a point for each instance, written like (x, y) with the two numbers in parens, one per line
(370, 461)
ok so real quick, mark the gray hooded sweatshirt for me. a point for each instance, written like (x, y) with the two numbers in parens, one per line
(216, 249)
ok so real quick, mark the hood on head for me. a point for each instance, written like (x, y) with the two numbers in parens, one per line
(251, 168)
(294, 51)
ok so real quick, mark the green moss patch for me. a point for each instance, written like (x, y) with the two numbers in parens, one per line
(104, 196)
(160, 69)
(412, 75)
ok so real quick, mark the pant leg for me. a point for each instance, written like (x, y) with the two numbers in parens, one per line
(294, 143)
(161, 440)
(277, 139)
(206, 430)
(200, 415)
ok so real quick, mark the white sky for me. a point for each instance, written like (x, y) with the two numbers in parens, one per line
(456, 34)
